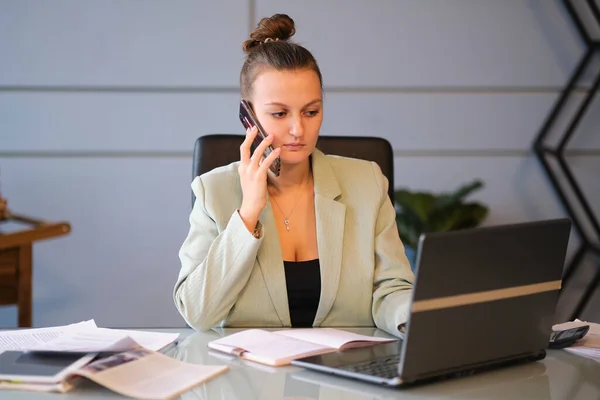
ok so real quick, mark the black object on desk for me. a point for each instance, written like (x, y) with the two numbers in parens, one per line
(567, 337)
(39, 368)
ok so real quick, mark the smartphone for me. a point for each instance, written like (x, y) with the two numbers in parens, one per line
(249, 120)
(567, 337)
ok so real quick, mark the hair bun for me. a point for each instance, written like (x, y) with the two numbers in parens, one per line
(277, 27)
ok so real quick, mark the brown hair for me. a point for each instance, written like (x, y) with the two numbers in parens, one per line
(269, 47)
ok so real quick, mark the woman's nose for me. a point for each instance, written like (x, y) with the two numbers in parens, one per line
(296, 128)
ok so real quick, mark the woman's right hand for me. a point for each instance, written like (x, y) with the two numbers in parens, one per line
(253, 172)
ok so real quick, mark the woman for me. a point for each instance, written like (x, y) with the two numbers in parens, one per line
(316, 245)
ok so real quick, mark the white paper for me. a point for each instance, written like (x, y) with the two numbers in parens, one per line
(83, 337)
(24, 339)
(586, 352)
(98, 340)
(60, 387)
(88, 341)
(333, 337)
(149, 340)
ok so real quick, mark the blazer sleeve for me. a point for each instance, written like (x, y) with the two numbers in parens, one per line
(393, 278)
(215, 266)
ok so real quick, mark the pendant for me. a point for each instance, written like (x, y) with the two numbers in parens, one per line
(287, 224)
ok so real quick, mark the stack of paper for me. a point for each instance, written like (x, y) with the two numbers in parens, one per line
(24, 339)
(83, 337)
(125, 361)
(138, 373)
(589, 345)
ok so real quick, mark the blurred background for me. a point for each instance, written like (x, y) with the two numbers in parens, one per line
(101, 102)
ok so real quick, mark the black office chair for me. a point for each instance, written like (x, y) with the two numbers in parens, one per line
(215, 150)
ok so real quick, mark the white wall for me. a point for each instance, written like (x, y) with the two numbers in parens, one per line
(101, 101)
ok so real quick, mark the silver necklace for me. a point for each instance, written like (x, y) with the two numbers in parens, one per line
(286, 219)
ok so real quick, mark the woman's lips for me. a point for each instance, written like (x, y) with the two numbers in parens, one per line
(293, 146)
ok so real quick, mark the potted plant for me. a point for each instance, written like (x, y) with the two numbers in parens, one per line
(420, 212)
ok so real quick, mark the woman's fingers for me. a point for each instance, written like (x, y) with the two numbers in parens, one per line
(260, 149)
(245, 147)
(256, 159)
(266, 163)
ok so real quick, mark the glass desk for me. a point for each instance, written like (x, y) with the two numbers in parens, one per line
(561, 375)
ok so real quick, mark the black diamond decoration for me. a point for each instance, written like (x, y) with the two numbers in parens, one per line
(568, 189)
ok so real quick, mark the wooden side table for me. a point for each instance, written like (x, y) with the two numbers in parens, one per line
(16, 261)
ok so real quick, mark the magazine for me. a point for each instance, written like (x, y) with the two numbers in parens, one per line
(138, 373)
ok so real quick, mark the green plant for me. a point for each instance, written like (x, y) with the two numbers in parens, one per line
(420, 212)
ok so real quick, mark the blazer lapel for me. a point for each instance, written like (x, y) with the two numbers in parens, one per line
(330, 215)
(270, 260)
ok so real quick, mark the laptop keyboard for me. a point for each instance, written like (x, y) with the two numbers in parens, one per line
(386, 367)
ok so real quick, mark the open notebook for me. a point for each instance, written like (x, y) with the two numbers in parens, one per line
(281, 347)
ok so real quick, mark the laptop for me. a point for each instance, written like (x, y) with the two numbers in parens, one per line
(483, 298)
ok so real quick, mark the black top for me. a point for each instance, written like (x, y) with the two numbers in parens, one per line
(303, 282)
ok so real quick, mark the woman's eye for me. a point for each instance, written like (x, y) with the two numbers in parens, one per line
(278, 114)
(312, 113)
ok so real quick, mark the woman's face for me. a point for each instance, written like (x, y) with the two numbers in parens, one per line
(289, 105)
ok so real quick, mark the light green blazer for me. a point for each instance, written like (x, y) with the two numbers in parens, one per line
(229, 278)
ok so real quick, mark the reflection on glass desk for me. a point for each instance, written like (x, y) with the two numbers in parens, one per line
(561, 375)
